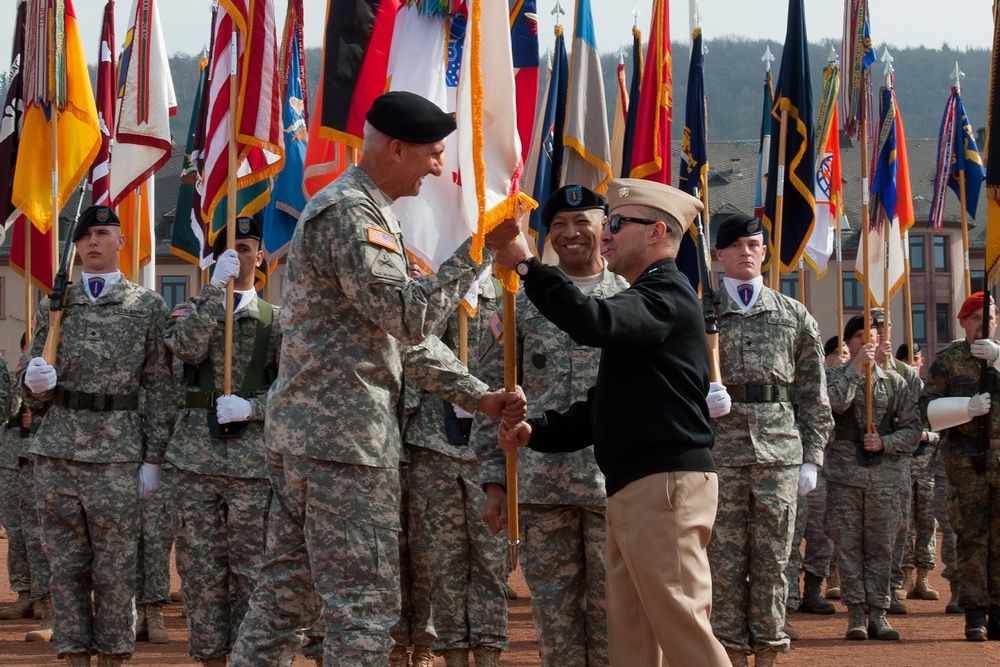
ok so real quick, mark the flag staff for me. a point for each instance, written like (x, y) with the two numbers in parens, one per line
(886, 222)
(865, 237)
(55, 88)
(834, 60)
(231, 211)
(136, 232)
(956, 76)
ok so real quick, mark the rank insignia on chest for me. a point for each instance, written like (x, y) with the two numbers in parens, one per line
(746, 293)
(95, 286)
(380, 237)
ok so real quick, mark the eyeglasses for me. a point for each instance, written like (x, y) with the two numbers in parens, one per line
(614, 223)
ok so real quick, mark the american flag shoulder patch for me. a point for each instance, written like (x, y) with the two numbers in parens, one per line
(496, 325)
(380, 237)
(180, 311)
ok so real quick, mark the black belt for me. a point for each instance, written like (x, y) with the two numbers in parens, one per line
(81, 400)
(206, 400)
(760, 393)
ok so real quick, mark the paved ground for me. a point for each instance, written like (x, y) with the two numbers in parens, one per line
(930, 637)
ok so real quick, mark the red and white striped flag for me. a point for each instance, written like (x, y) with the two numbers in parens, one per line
(100, 172)
(259, 136)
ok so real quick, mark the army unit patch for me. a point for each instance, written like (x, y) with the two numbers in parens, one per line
(386, 266)
(574, 195)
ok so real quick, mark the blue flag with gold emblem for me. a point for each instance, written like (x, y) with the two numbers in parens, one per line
(693, 177)
(883, 201)
(966, 159)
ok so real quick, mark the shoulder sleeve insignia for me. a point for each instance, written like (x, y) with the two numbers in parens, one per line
(180, 311)
(496, 325)
(380, 237)
(387, 266)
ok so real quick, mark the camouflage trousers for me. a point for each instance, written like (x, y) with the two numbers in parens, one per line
(862, 522)
(748, 553)
(974, 510)
(948, 557)
(38, 562)
(18, 572)
(920, 539)
(562, 557)
(461, 558)
(220, 549)
(332, 548)
(904, 507)
(414, 627)
(90, 520)
(810, 525)
(157, 527)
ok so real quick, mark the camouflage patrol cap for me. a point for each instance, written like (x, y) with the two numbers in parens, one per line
(678, 204)
(95, 216)
(246, 228)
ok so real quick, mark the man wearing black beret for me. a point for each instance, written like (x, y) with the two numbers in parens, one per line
(768, 447)
(332, 428)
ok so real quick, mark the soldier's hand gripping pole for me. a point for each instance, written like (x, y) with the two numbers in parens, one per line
(510, 384)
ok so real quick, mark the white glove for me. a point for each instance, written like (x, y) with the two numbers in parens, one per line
(227, 267)
(944, 413)
(39, 377)
(460, 413)
(718, 400)
(807, 478)
(979, 405)
(149, 479)
(984, 348)
(232, 409)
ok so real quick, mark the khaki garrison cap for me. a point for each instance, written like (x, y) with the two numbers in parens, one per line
(638, 192)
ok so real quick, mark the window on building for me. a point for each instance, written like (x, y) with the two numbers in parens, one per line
(976, 279)
(919, 314)
(916, 253)
(174, 289)
(790, 286)
(940, 253)
(942, 318)
(854, 296)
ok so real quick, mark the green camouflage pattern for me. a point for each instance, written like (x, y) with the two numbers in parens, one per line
(157, 527)
(38, 562)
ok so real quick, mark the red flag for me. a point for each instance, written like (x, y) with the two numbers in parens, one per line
(100, 172)
(42, 261)
(651, 152)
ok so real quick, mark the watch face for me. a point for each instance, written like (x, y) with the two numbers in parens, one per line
(522, 268)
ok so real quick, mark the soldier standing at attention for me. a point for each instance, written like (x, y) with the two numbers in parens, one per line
(863, 472)
(333, 420)
(768, 447)
(648, 420)
(952, 400)
(561, 497)
(217, 450)
(96, 451)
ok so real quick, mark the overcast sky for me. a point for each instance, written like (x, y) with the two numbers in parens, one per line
(962, 23)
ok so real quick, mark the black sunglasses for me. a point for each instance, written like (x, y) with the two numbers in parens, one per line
(614, 223)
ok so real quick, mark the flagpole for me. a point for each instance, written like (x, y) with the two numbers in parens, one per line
(957, 75)
(802, 280)
(28, 301)
(779, 204)
(886, 225)
(510, 384)
(134, 241)
(907, 298)
(866, 240)
(838, 237)
(230, 215)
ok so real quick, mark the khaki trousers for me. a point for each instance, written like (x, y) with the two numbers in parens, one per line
(659, 585)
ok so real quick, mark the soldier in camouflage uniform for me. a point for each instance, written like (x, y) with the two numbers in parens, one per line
(18, 572)
(96, 450)
(152, 585)
(767, 448)
(221, 489)
(951, 403)
(333, 414)
(863, 473)
(561, 497)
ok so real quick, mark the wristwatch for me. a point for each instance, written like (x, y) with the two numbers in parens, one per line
(523, 267)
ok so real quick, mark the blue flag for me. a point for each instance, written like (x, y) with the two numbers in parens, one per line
(693, 178)
(549, 141)
(633, 103)
(883, 201)
(966, 159)
(287, 197)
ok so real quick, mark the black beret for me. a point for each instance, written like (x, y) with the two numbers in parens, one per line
(903, 351)
(735, 227)
(571, 198)
(830, 346)
(409, 117)
(854, 325)
(92, 217)
(246, 228)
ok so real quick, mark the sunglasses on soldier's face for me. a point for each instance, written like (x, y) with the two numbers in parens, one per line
(614, 223)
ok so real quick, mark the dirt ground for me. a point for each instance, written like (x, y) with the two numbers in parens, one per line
(930, 637)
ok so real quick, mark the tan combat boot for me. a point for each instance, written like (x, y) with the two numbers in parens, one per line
(21, 608)
(922, 589)
(104, 660)
(458, 657)
(791, 631)
(422, 656)
(77, 659)
(906, 589)
(155, 626)
(737, 658)
(398, 657)
(766, 659)
(486, 656)
(833, 585)
(141, 630)
(43, 633)
(219, 661)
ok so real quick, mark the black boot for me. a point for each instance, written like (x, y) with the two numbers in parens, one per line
(975, 624)
(812, 602)
(895, 606)
(993, 624)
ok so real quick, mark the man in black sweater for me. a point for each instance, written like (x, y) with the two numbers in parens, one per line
(647, 418)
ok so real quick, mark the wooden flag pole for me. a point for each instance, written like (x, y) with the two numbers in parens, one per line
(230, 217)
(802, 279)
(965, 234)
(775, 272)
(510, 384)
(866, 241)
(907, 298)
(886, 293)
(136, 232)
(55, 316)
(29, 303)
(838, 238)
